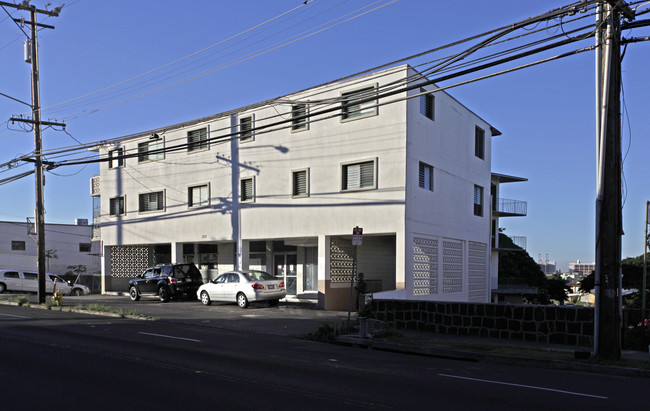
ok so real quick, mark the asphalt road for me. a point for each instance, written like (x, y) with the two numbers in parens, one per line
(62, 360)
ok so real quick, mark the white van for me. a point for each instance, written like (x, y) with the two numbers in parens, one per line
(24, 281)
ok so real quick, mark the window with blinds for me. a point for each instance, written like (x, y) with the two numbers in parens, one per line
(197, 140)
(427, 105)
(478, 201)
(116, 158)
(299, 118)
(479, 143)
(357, 176)
(116, 206)
(247, 190)
(198, 196)
(355, 106)
(151, 202)
(426, 176)
(300, 183)
(151, 151)
(246, 129)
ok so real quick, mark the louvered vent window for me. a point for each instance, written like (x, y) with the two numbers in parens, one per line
(151, 151)
(478, 201)
(354, 105)
(117, 206)
(247, 191)
(299, 183)
(197, 140)
(479, 143)
(359, 175)
(151, 202)
(245, 129)
(198, 196)
(427, 105)
(298, 117)
(426, 176)
(116, 158)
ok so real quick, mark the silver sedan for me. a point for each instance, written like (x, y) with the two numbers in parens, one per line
(243, 287)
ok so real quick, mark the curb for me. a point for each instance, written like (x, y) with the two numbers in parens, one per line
(73, 310)
(468, 355)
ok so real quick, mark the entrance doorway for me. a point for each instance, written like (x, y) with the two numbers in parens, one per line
(286, 268)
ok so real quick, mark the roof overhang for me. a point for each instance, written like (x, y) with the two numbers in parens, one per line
(504, 178)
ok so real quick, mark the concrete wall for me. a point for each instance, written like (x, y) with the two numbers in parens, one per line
(540, 324)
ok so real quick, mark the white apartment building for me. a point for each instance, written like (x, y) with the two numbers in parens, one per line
(581, 268)
(65, 244)
(280, 185)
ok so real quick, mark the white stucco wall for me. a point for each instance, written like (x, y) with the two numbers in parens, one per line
(64, 239)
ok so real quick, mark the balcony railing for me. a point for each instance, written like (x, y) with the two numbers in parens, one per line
(508, 208)
(94, 186)
(519, 241)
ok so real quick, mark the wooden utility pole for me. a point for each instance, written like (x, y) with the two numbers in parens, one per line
(609, 221)
(38, 143)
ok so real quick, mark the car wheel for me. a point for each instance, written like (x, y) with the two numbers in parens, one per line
(133, 292)
(242, 301)
(163, 294)
(205, 298)
(273, 303)
(3, 288)
(77, 292)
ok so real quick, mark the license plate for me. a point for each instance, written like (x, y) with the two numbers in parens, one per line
(271, 287)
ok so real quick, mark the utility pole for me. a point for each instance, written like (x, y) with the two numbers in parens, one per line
(38, 143)
(646, 243)
(609, 222)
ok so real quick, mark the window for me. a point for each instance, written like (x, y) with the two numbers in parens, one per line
(117, 206)
(478, 201)
(84, 247)
(247, 190)
(116, 158)
(151, 150)
(18, 246)
(426, 176)
(246, 129)
(479, 143)
(300, 185)
(299, 117)
(354, 105)
(30, 276)
(198, 196)
(11, 274)
(151, 202)
(357, 176)
(427, 105)
(197, 140)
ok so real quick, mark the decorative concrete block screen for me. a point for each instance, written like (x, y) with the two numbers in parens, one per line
(541, 324)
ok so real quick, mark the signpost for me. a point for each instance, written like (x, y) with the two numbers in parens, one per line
(357, 239)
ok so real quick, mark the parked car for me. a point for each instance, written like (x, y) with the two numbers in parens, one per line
(24, 281)
(167, 281)
(243, 287)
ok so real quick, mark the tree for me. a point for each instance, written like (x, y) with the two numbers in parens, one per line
(632, 269)
(519, 268)
(50, 254)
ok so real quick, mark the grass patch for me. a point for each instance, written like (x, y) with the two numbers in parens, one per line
(21, 299)
(324, 333)
(103, 309)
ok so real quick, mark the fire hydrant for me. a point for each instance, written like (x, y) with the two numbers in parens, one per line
(58, 298)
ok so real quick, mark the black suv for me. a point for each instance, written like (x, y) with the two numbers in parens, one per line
(167, 281)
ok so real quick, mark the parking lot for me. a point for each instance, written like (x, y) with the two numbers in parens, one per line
(288, 318)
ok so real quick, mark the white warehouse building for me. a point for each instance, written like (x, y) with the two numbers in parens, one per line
(280, 185)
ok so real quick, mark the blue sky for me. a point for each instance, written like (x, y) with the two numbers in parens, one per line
(546, 113)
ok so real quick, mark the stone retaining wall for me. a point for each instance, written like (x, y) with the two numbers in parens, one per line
(543, 324)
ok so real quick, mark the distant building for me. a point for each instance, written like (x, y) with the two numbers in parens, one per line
(66, 244)
(582, 268)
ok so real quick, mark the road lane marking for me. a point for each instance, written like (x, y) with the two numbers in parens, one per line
(15, 316)
(171, 336)
(524, 386)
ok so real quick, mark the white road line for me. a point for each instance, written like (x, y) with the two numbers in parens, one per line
(523, 386)
(172, 337)
(15, 316)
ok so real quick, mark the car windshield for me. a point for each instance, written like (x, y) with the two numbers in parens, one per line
(258, 276)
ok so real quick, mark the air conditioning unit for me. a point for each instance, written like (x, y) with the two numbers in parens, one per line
(80, 221)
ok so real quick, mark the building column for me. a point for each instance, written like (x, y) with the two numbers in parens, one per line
(177, 253)
(323, 268)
